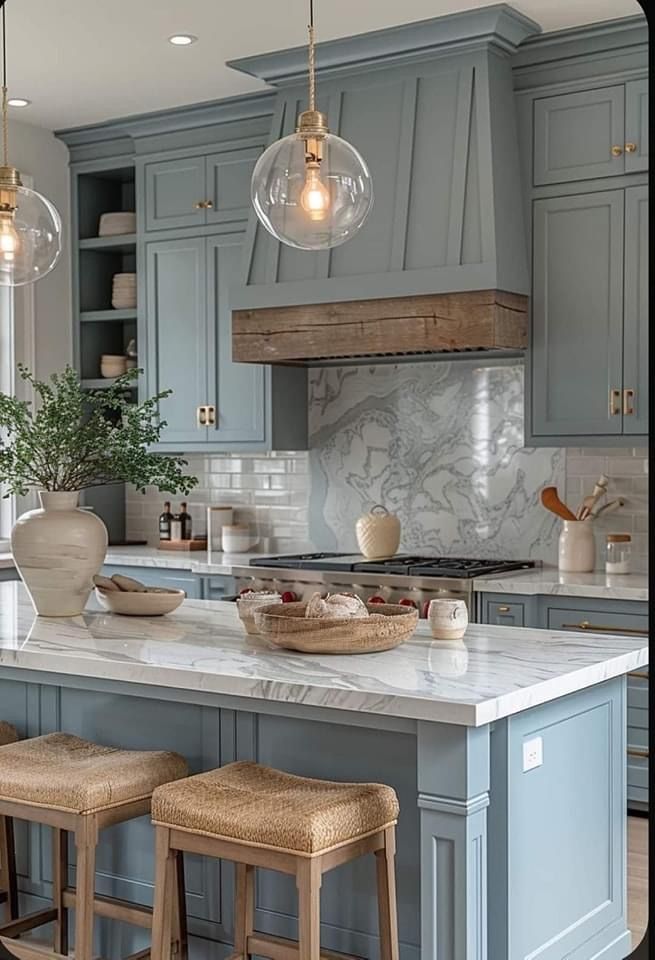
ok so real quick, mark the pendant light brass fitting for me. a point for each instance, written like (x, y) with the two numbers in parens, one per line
(312, 124)
(9, 177)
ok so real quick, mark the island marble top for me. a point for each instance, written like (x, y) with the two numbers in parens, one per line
(495, 672)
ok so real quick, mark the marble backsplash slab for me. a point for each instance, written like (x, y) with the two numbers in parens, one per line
(441, 445)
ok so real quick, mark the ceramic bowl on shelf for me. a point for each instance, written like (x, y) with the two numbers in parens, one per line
(154, 602)
(115, 224)
(112, 365)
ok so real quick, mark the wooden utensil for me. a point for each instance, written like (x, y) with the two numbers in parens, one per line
(552, 502)
(587, 505)
(608, 508)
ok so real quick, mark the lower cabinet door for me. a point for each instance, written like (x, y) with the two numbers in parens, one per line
(503, 612)
(160, 577)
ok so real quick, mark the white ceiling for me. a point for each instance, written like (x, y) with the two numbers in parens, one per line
(82, 61)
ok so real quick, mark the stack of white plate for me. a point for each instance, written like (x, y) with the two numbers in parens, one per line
(123, 294)
(114, 224)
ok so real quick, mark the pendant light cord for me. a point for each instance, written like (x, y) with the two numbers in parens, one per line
(312, 58)
(5, 118)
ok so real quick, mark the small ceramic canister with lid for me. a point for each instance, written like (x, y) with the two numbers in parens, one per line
(378, 533)
(617, 553)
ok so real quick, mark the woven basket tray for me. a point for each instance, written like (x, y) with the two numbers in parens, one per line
(285, 625)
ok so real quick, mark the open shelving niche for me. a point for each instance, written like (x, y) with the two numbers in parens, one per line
(99, 327)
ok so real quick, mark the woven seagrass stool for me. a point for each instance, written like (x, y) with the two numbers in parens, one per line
(76, 786)
(259, 817)
(8, 891)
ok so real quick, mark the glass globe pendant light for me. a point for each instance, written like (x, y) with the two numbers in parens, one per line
(30, 226)
(312, 190)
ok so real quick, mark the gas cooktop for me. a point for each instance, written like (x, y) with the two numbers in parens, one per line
(402, 564)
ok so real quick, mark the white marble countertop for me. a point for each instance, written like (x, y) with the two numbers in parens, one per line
(495, 672)
(197, 561)
(548, 581)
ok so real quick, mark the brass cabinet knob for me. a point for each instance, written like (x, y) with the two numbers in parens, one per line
(203, 205)
(615, 403)
(628, 402)
(616, 150)
(208, 204)
(631, 147)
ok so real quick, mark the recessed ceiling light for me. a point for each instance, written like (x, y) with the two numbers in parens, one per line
(18, 102)
(182, 39)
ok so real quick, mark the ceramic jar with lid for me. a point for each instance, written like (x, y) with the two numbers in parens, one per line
(378, 533)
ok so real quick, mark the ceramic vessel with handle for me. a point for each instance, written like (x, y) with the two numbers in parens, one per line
(58, 550)
(577, 547)
(448, 619)
(378, 533)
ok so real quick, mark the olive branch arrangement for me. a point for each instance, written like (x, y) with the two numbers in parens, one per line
(77, 438)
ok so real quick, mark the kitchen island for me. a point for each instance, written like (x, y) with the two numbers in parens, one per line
(494, 860)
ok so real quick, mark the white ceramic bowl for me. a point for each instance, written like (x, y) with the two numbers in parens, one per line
(155, 602)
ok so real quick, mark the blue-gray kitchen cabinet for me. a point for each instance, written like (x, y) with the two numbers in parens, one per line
(588, 134)
(189, 350)
(199, 190)
(614, 616)
(575, 133)
(635, 316)
(588, 359)
(507, 611)
(176, 325)
(577, 315)
(636, 125)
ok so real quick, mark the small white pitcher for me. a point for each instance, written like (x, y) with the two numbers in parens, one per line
(577, 547)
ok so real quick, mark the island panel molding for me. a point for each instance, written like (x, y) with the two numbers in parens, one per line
(479, 320)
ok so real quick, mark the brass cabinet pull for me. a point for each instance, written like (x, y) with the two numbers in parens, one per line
(208, 204)
(615, 403)
(630, 147)
(201, 416)
(211, 415)
(503, 609)
(616, 150)
(639, 675)
(596, 628)
(628, 402)
(635, 752)
(203, 205)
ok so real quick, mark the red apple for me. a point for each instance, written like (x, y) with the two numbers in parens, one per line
(376, 599)
(406, 602)
(426, 607)
(289, 596)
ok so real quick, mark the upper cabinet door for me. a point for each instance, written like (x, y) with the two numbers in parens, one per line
(635, 332)
(636, 126)
(228, 176)
(238, 388)
(175, 193)
(177, 335)
(577, 315)
(579, 136)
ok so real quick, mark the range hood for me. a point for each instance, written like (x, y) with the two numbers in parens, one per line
(440, 266)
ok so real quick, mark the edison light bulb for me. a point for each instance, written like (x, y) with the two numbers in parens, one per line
(315, 196)
(9, 240)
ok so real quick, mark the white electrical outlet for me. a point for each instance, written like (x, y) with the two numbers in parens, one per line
(533, 753)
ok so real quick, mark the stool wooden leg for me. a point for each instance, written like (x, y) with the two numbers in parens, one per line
(244, 907)
(59, 883)
(86, 841)
(180, 920)
(165, 888)
(8, 867)
(308, 880)
(387, 910)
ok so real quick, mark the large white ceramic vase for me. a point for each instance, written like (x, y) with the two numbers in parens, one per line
(58, 550)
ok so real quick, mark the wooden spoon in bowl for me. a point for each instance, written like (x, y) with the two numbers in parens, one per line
(552, 502)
